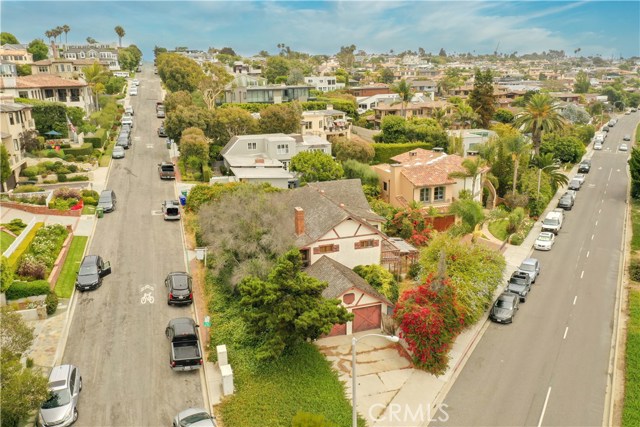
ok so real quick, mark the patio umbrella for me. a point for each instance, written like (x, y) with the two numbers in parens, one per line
(53, 133)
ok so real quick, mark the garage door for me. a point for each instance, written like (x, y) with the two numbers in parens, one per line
(338, 330)
(366, 318)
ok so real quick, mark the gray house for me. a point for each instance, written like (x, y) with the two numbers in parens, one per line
(266, 157)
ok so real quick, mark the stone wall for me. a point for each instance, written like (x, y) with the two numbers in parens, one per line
(38, 210)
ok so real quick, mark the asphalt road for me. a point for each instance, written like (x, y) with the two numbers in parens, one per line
(117, 333)
(550, 367)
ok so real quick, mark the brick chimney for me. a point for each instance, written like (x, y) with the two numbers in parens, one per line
(259, 162)
(299, 220)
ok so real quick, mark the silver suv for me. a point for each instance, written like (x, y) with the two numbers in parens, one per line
(61, 409)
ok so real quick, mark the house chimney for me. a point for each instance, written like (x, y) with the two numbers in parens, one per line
(299, 220)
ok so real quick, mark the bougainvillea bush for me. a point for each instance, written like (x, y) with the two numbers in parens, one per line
(410, 224)
(430, 319)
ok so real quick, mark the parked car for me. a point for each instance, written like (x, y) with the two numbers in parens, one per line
(545, 241)
(520, 284)
(167, 170)
(185, 345)
(128, 110)
(623, 147)
(597, 146)
(626, 138)
(118, 152)
(193, 417)
(605, 129)
(61, 407)
(124, 142)
(179, 288)
(107, 200)
(127, 119)
(553, 221)
(572, 193)
(585, 166)
(162, 133)
(530, 266)
(133, 91)
(505, 307)
(580, 177)
(171, 210)
(575, 184)
(92, 269)
(566, 202)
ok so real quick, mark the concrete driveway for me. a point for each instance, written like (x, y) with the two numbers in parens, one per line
(382, 369)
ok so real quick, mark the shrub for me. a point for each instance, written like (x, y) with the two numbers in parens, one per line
(61, 177)
(22, 247)
(88, 200)
(30, 171)
(30, 267)
(27, 189)
(85, 150)
(27, 289)
(355, 169)
(53, 154)
(516, 239)
(95, 142)
(380, 278)
(634, 270)
(90, 193)
(384, 152)
(51, 301)
(77, 178)
(69, 157)
(15, 226)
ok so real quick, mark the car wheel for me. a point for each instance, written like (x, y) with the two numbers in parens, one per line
(75, 415)
(80, 389)
(168, 302)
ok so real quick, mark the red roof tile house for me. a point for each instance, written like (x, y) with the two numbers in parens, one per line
(423, 176)
(47, 87)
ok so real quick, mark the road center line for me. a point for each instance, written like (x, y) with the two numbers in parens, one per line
(565, 333)
(588, 254)
(592, 236)
(599, 210)
(596, 223)
(582, 274)
(610, 170)
(544, 407)
(575, 299)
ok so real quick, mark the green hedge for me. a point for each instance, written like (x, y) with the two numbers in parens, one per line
(85, 150)
(384, 152)
(27, 289)
(22, 248)
(94, 141)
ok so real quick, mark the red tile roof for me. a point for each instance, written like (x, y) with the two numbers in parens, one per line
(426, 168)
(46, 81)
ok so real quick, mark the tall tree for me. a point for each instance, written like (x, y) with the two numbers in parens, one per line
(281, 118)
(346, 57)
(473, 166)
(120, 32)
(5, 166)
(91, 40)
(541, 114)
(179, 72)
(634, 170)
(516, 147)
(7, 38)
(464, 116)
(481, 98)
(288, 308)
(582, 83)
(38, 49)
(65, 30)
(316, 166)
(95, 75)
(213, 83)
(404, 91)
(548, 165)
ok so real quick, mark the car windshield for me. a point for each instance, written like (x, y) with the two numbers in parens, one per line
(518, 280)
(180, 282)
(544, 237)
(167, 168)
(550, 221)
(57, 398)
(88, 270)
(105, 199)
(194, 418)
(172, 211)
(527, 267)
(503, 303)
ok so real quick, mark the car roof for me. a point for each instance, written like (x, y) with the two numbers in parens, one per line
(90, 259)
(59, 375)
(507, 295)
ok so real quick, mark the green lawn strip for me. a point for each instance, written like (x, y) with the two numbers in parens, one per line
(22, 247)
(106, 157)
(88, 210)
(67, 278)
(270, 394)
(6, 240)
(499, 229)
(631, 410)
(635, 224)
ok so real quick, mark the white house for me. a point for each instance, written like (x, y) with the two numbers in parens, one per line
(324, 83)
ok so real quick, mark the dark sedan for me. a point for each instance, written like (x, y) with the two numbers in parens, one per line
(566, 202)
(520, 283)
(585, 166)
(505, 307)
(92, 270)
(179, 288)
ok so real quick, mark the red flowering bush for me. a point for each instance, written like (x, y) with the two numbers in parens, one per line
(410, 224)
(430, 318)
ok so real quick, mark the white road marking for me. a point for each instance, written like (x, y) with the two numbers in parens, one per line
(156, 212)
(582, 274)
(599, 210)
(149, 145)
(565, 333)
(588, 252)
(544, 407)
(147, 298)
(592, 236)
(596, 223)
(611, 170)
(145, 287)
(136, 138)
(575, 299)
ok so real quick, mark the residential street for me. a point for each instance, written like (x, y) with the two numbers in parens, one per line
(116, 336)
(550, 367)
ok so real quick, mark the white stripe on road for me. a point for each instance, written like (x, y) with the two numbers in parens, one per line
(565, 333)
(544, 408)
(575, 299)
(592, 236)
(610, 170)
(588, 254)
(596, 223)
(582, 274)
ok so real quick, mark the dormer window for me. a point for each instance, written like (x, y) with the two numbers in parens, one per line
(252, 145)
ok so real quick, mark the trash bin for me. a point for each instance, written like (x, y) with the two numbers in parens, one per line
(183, 199)
(185, 192)
(169, 144)
(99, 212)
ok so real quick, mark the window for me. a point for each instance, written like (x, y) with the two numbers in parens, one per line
(385, 187)
(252, 145)
(285, 166)
(75, 95)
(364, 244)
(48, 93)
(326, 249)
(307, 125)
(43, 69)
(23, 94)
(11, 120)
(424, 195)
(16, 145)
(438, 194)
(282, 149)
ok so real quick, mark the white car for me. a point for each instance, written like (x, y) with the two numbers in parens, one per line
(127, 120)
(128, 110)
(135, 82)
(545, 241)
(118, 152)
(133, 91)
(580, 177)
(573, 194)
(597, 146)
(623, 147)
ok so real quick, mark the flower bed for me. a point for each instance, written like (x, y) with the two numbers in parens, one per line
(37, 262)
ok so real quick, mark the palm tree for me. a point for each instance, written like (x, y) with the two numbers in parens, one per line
(472, 168)
(120, 32)
(516, 146)
(541, 114)
(91, 40)
(49, 34)
(551, 167)
(94, 75)
(65, 29)
(403, 89)
(464, 116)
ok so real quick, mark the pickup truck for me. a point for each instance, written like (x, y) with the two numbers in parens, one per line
(553, 221)
(160, 110)
(167, 170)
(185, 344)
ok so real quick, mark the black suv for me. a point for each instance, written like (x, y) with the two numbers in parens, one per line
(179, 288)
(566, 202)
(92, 270)
(520, 284)
(585, 166)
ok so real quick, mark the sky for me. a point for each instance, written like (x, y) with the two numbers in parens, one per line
(610, 29)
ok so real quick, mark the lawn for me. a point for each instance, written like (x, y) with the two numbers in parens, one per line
(5, 240)
(499, 229)
(269, 394)
(631, 410)
(635, 224)
(89, 210)
(67, 278)
(106, 157)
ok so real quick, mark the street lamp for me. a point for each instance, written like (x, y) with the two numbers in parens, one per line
(354, 341)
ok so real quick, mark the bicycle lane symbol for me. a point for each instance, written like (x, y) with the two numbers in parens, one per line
(147, 297)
